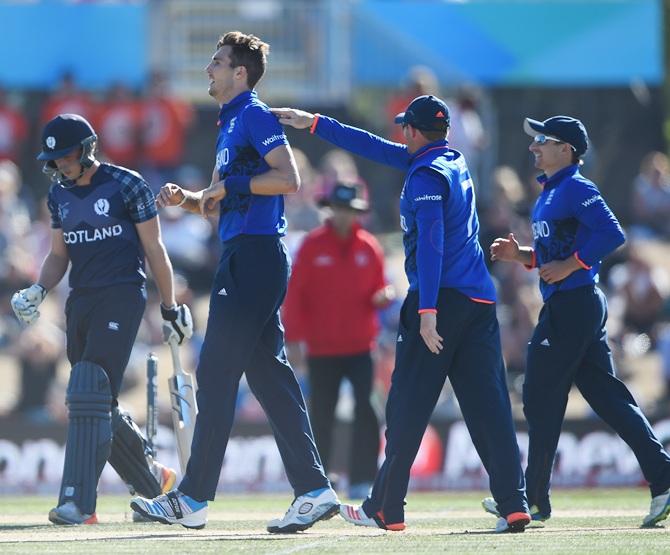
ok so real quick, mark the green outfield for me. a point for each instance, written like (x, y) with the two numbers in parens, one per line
(584, 521)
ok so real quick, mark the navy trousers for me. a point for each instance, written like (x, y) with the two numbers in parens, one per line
(325, 376)
(244, 335)
(102, 325)
(569, 346)
(472, 359)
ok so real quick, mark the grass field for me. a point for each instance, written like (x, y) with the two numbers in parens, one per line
(584, 521)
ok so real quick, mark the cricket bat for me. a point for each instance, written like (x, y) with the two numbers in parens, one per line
(184, 406)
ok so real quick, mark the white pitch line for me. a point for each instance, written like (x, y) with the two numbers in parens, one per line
(299, 548)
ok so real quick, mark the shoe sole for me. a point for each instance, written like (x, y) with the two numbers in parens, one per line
(661, 517)
(518, 524)
(293, 528)
(155, 518)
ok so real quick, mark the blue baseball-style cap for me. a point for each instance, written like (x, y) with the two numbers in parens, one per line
(63, 134)
(567, 129)
(347, 196)
(427, 113)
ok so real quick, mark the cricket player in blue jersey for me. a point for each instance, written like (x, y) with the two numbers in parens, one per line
(448, 324)
(254, 168)
(104, 223)
(573, 229)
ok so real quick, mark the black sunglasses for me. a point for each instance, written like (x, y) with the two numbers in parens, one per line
(544, 139)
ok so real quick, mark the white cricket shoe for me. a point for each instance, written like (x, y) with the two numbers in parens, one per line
(69, 514)
(174, 507)
(659, 509)
(513, 524)
(490, 506)
(358, 517)
(320, 504)
(166, 478)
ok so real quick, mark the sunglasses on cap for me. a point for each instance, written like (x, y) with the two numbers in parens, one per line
(544, 139)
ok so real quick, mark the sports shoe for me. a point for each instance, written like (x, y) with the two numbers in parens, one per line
(490, 506)
(513, 524)
(173, 507)
(166, 478)
(659, 510)
(320, 504)
(69, 514)
(357, 517)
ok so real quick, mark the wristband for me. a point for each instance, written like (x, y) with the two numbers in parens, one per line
(240, 184)
(428, 311)
(312, 128)
(583, 264)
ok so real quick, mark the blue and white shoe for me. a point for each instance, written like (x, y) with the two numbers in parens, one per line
(659, 510)
(490, 506)
(174, 507)
(320, 504)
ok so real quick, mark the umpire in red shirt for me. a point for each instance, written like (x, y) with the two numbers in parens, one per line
(336, 286)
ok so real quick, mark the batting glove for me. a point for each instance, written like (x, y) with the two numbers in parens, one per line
(26, 301)
(178, 322)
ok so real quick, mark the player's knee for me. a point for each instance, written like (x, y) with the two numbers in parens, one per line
(89, 391)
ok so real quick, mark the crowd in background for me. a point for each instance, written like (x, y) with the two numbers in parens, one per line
(148, 133)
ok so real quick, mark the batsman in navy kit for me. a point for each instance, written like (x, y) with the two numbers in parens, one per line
(573, 229)
(448, 324)
(104, 222)
(254, 168)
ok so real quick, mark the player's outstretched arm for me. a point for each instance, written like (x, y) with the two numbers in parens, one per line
(294, 118)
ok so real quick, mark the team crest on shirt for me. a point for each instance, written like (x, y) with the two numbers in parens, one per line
(63, 210)
(231, 125)
(101, 207)
(550, 197)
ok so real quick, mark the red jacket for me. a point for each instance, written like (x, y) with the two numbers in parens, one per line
(329, 301)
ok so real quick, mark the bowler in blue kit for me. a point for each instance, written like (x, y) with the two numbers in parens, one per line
(254, 168)
(573, 229)
(104, 223)
(448, 325)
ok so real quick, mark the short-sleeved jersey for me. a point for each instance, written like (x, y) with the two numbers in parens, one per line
(98, 224)
(247, 132)
(570, 218)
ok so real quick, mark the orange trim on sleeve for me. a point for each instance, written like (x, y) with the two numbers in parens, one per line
(583, 264)
(533, 261)
(312, 128)
(428, 311)
(483, 301)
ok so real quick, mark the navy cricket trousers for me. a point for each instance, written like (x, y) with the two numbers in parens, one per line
(472, 359)
(244, 335)
(569, 345)
(102, 325)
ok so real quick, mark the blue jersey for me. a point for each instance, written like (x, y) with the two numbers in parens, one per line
(571, 218)
(98, 224)
(437, 208)
(248, 131)
(441, 228)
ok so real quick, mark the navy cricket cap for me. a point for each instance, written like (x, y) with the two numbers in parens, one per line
(427, 113)
(63, 134)
(567, 129)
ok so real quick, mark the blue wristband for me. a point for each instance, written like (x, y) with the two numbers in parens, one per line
(240, 184)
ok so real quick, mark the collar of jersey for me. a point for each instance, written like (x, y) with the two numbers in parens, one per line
(235, 103)
(555, 179)
(430, 147)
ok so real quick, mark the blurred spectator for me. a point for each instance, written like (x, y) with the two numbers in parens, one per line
(13, 129)
(338, 166)
(165, 122)
(651, 196)
(118, 125)
(466, 130)
(336, 287)
(420, 80)
(38, 350)
(300, 208)
(641, 288)
(68, 99)
(14, 215)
